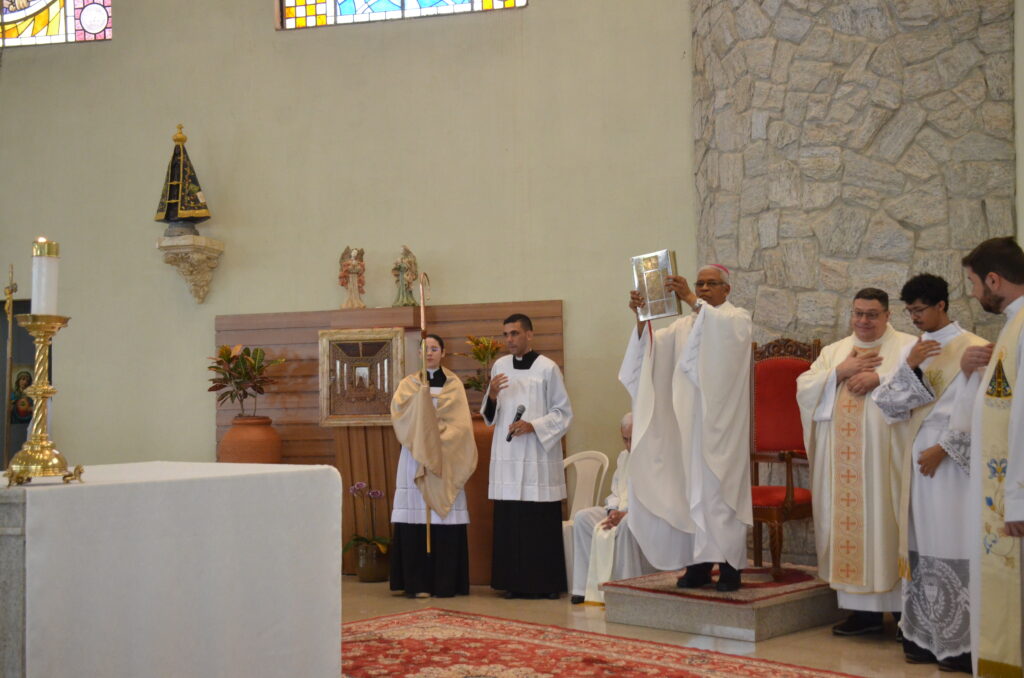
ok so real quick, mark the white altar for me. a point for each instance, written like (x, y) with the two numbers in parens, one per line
(168, 569)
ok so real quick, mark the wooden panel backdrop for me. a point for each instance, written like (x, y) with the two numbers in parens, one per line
(370, 453)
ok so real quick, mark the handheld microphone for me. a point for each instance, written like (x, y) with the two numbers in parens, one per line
(519, 415)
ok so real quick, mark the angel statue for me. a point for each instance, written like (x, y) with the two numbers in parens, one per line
(351, 276)
(406, 272)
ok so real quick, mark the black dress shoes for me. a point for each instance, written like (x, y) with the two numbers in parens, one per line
(961, 663)
(696, 576)
(576, 600)
(728, 578)
(859, 623)
(915, 654)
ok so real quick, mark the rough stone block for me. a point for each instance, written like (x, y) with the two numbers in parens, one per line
(791, 25)
(723, 34)
(825, 133)
(997, 119)
(817, 45)
(957, 62)
(915, 13)
(820, 163)
(818, 195)
(967, 225)
(754, 196)
(887, 93)
(917, 163)
(996, 37)
(921, 207)
(916, 46)
(768, 229)
(774, 267)
(768, 96)
(805, 76)
(885, 275)
(758, 55)
(732, 131)
(801, 257)
(868, 18)
(897, 134)
(955, 120)
(999, 216)
(784, 187)
(751, 21)
(726, 215)
(730, 171)
(973, 89)
(885, 62)
(921, 80)
(933, 238)
(834, 274)
(977, 146)
(886, 239)
(978, 179)
(817, 308)
(775, 308)
(870, 123)
(867, 173)
(782, 134)
(994, 10)
(784, 53)
(841, 230)
(999, 76)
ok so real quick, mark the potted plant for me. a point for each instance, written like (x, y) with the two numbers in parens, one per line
(484, 350)
(371, 552)
(240, 374)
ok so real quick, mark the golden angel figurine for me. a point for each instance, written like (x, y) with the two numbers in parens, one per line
(352, 276)
(406, 273)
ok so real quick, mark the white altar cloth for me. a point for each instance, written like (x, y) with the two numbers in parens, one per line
(167, 569)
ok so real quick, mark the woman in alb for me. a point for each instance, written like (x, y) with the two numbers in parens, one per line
(432, 422)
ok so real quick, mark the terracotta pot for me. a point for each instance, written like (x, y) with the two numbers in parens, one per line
(371, 563)
(250, 440)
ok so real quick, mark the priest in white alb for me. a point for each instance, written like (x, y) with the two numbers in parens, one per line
(528, 406)
(856, 461)
(689, 488)
(604, 548)
(921, 395)
(995, 269)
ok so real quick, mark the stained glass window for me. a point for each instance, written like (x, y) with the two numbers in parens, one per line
(311, 13)
(41, 22)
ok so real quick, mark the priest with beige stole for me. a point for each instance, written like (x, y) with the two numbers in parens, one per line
(856, 459)
(528, 406)
(921, 397)
(689, 487)
(429, 551)
(995, 269)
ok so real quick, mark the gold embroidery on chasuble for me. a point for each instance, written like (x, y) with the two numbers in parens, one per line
(999, 647)
(848, 489)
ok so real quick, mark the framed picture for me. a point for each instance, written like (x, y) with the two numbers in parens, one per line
(358, 373)
(650, 272)
(21, 405)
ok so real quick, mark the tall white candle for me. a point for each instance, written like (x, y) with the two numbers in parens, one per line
(45, 268)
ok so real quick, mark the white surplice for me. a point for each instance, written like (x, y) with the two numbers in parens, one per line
(1014, 483)
(689, 483)
(529, 467)
(936, 608)
(599, 554)
(817, 390)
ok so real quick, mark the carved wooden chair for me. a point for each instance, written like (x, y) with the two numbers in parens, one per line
(776, 435)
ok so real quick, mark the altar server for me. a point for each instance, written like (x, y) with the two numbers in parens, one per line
(528, 406)
(689, 485)
(995, 269)
(856, 459)
(604, 548)
(433, 423)
(921, 395)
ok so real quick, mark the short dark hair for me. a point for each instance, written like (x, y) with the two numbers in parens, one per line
(436, 338)
(1001, 256)
(521, 319)
(873, 294)
(929, 288)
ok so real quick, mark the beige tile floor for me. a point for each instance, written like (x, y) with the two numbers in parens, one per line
(863, 656)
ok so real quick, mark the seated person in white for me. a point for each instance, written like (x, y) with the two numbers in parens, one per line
(603, 547)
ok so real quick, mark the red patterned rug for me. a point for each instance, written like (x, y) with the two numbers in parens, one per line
(758, 585)
(435, 643)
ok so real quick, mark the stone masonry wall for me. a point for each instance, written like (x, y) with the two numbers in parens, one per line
(850, 143)
(841, 144)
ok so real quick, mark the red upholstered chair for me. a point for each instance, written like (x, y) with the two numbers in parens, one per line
(776, 435)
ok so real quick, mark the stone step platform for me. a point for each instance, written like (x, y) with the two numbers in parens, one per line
(761, 609)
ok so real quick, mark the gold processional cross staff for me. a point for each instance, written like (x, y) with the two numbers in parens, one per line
(9, 291)
(424, 295)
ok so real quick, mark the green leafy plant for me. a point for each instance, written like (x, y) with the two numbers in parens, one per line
(361, 491)
(240, 374)
(484, 350)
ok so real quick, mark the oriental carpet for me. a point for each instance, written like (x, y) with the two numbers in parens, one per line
(435, 643)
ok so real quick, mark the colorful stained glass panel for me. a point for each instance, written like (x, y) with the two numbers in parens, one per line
(311, 13)
(41, 22)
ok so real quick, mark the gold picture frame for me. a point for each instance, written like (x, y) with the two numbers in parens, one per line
(359, 370)
(649, 273)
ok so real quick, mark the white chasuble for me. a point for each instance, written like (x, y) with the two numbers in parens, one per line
(529, 467)
(856, 461)
(997, 496)
(689, 468)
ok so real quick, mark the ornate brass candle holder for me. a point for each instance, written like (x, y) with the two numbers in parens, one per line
(37, 457)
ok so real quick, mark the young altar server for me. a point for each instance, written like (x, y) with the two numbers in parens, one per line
(433, 423)
(689, 486)
(528, 406)
(856, 459)
(934, 538)
(995, 269)
(604, 549)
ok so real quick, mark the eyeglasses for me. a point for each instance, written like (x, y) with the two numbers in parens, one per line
(916, 311)
(708, 283)
(866, 315)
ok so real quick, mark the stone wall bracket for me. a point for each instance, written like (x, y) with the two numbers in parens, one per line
(195, 257)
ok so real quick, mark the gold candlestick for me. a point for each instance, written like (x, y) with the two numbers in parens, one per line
(38, 457)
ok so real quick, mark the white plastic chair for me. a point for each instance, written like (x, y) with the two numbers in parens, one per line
(589, 470)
